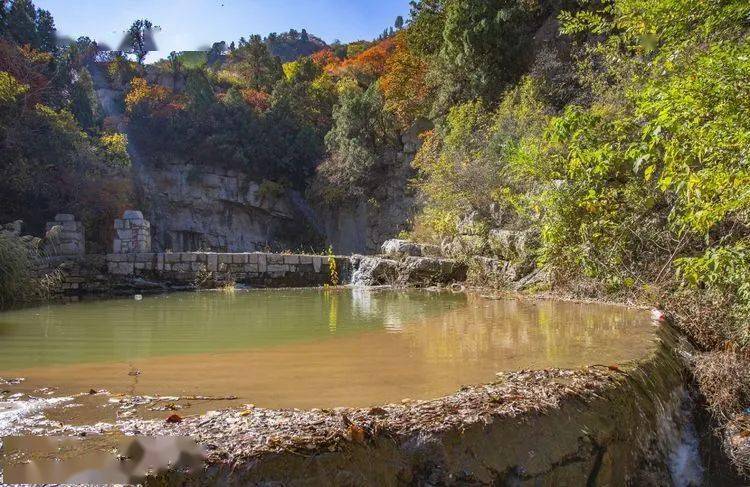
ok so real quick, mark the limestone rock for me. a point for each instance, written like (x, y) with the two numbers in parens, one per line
(428, 271)
(401, 248)
(512, 244)
(373, 271)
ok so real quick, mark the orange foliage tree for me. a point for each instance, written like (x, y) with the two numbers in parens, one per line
(370, 64)
(404, 83)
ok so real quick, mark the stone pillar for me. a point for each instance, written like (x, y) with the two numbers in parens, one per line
(133, 234)
(65, 236)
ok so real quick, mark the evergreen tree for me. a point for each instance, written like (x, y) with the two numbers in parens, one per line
(83, 101)
(46, 34)
(399, 24)
(3, 16)
(21, 22)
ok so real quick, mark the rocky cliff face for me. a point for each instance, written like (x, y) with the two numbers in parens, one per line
(363, 226)
(203, 207)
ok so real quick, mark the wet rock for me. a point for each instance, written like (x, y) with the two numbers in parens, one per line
(401, 248)
(429, 271)
(373, 271)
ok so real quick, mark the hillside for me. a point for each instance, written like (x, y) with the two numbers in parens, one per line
(292, 45)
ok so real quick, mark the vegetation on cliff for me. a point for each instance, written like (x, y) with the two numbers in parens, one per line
(54, 153)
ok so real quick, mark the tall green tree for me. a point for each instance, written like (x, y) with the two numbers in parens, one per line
(46, 33)
(139, 39)
(486, 45)
(3, 17)
(22, 22)
(84, 103)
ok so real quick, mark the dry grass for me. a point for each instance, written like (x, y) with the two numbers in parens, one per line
(16, 280)
(724, 379)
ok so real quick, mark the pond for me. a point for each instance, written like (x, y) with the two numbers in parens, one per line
(306, 348)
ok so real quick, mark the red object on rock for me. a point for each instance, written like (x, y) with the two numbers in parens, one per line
(174, 419)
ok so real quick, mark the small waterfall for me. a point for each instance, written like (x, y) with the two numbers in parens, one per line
(679, 440)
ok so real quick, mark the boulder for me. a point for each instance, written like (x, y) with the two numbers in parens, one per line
(373, 271)
(401, 248)
(64, 217)
(12, 228)
(429, 271)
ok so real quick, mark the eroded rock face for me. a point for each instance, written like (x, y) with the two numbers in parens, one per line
(362, 226)
(194, 207)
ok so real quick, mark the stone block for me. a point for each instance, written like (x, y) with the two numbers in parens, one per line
(201, 257)
(132, 215)
(70, 227)
(117, 246)
(317, 263)
(213, 262)
(188, 257)
(274, 259)
(172, 258)
(125, 268)
(64, 217)
(125, 234)
(252, 258)
(225, 258)
(262, 263)
(197, 266)
(277, 268)
(239, 259)
(291, 259)
(305, 259)
(251, 268)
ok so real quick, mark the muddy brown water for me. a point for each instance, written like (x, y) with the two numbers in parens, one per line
(304, 348)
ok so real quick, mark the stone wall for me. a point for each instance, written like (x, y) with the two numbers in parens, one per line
(113, 273)
(65, 236)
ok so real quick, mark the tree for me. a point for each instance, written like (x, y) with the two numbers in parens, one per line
(175, 66)
(84, 103)
(485, 46)
(46, 34)
(258, 65)
(21, 22)
(399, 24)
(3, 17)
(425, 33)
(139, 39)
(199, 92)
(304, 36)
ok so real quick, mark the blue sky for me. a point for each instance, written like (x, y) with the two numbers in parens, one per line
(191, 24)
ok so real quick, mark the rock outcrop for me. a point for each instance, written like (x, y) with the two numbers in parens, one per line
(401, 248)
(362, 226)
(201, 207)
(408, 271)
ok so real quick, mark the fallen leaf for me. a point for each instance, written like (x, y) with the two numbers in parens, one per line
(377, 411)
(356, 433)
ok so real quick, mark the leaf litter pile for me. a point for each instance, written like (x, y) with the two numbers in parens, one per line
(242, 433)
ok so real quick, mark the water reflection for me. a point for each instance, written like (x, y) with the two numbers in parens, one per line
(309, 348)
